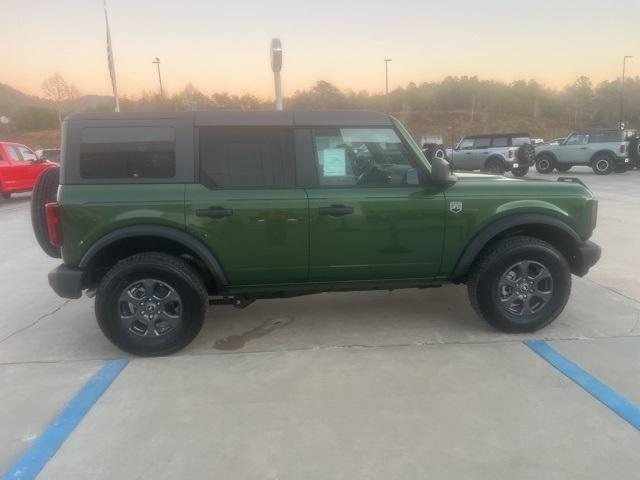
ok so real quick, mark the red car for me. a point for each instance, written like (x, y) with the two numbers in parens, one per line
(19, 168)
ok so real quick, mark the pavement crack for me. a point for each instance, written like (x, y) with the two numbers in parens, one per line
(36, 322)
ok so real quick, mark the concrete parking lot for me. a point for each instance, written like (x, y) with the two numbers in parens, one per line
(406, 384)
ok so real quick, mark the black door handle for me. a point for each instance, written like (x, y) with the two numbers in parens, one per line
(584, 148)
(336, 210)
(214, 212)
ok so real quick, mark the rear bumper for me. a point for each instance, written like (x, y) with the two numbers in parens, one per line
(588, 255)
(66, 281)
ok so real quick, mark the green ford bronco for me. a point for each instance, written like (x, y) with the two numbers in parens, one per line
(160, 214)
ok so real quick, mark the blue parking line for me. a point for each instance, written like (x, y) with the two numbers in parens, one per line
(36, 456)
(604, 393)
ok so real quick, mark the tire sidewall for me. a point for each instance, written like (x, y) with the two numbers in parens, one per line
(544, 164)
(499, 164)
(107, 301)
(598, 165)
(488, 300)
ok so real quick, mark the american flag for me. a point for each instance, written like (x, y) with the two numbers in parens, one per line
(112, 68)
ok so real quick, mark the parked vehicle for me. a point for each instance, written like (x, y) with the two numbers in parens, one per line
(162, 214)
(497, 153)
(19, 168)
(604, 151)
(51, 154)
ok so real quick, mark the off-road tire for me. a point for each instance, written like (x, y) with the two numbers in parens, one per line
(434, 150)
(45, 191)
(495, 165)
(634, 151)
(483, 283)
(520, 171)
(526, 154)
(545, 164)
(602, 164)
(168, 269)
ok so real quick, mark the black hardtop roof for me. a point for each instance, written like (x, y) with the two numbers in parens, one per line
(492, 135)
(236, 118)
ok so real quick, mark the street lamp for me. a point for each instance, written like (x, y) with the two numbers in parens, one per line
(276, 67)
(157, 62)
(386, 81)
(624, 64)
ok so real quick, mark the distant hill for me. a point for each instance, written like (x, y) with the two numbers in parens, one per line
(12, 98)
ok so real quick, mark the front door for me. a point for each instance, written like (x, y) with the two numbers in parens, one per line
(367, 221)
(574, 148)
(246, 208)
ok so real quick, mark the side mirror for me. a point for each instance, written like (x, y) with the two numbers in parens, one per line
(441, 172)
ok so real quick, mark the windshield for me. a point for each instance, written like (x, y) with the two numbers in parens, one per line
(411, 143)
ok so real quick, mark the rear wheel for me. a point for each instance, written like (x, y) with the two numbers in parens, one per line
(495, 165)
(45, 191)
(521, 285)
(602, 165)
(151, 304)
(545, 164)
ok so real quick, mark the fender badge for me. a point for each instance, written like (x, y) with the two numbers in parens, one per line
(455, 207)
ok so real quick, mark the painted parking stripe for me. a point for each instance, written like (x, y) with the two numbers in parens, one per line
(604, 393)
(36, 456)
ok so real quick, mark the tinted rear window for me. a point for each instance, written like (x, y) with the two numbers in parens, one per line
(246, 157)
(517, 141)
(128, 152)
(500, 142)
(604, 137)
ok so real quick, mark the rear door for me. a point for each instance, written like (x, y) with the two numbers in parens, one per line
(245, 206)
(481, 152)
(18, 171)
(367, 221)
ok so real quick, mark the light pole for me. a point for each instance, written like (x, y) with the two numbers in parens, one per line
(624, 65)
(386, 80)
(157, 62)
(276, 66)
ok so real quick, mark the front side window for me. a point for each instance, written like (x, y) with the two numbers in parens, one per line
(26, 154)
(247, 157)
(368, 157)
(577, 139)
(128, 152)
(466, 143)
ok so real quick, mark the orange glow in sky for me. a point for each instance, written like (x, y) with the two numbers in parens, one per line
(223, 46)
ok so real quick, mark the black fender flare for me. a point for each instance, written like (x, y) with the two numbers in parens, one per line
(546, 152)
(491, 231)
(159, 231)
(608, 153)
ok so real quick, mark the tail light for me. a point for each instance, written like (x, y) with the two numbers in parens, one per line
(54, 226)
(623, 148)
(510, 153)
(594, 215)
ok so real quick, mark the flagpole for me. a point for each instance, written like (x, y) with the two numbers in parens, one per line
(112, 67)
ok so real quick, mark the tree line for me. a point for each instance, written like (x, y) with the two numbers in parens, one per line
(580, 104)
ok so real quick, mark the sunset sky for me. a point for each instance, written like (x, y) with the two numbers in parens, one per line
(223, 45)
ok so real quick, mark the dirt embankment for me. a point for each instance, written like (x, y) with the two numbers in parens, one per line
(34, 140)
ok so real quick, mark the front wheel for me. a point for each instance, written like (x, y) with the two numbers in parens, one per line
(151, 304)
(545, 164)
(521, 285)
(520, 171)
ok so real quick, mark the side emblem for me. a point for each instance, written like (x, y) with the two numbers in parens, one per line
(455, 207)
